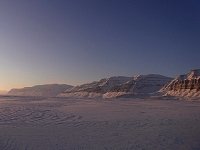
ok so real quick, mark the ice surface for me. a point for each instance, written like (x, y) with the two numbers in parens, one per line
(28, 123)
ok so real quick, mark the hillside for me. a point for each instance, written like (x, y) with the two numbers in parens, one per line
(139, 86)
(48, 90)
(96, 88)
(142, 85)
(187, 85)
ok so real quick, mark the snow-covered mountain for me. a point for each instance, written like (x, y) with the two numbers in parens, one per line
(187, 85)
(119, 87)
(139, 86)
(96, 88)
(47, 90)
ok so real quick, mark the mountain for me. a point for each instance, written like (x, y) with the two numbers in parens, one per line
(139, 86)
(187, 85)
(96, 88)
(48, 90)
(142, 85)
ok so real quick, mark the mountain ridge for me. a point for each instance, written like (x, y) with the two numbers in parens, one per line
(187, 85)
(46, 90)
(117, 86)
(139, 86)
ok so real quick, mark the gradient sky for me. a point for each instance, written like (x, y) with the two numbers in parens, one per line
(77, 41)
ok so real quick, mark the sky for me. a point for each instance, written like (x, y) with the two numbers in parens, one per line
(78, 41)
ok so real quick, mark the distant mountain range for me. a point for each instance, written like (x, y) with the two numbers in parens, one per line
(142, 85)
(119, 86)
(48, 90)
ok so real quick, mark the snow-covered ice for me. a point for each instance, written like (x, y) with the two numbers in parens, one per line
(28, 123)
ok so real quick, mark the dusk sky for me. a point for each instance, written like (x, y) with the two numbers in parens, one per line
(77, 41)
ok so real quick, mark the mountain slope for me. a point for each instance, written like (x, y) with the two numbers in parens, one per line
(187, 85)
(139, 86)
(96, 88)
(48, 90)
(119, 87)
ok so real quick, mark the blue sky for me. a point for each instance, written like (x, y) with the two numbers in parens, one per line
(77, 41)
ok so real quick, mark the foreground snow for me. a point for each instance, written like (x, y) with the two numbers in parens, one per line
(28, 123)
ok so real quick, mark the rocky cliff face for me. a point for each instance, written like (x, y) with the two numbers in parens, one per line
(48, 90)
(142, 85)
(139, 86)
(184, 85)
(96, 88)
